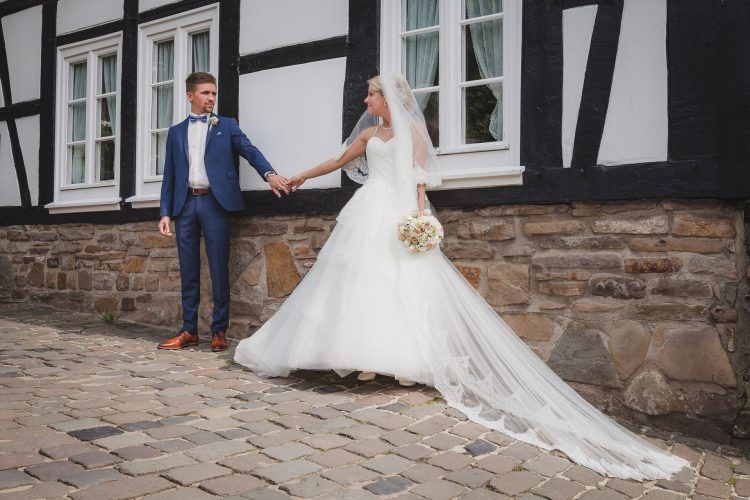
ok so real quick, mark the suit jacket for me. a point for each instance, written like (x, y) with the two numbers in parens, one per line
(222, 141)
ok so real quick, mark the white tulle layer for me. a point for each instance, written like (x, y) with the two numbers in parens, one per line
(367, 304)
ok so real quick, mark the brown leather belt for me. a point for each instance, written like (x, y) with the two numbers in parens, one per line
(199, 191)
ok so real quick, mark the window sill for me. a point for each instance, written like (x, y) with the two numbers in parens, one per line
(482, 177)
(473, 148)
(92, 205)
(144, 201)
(74, 187)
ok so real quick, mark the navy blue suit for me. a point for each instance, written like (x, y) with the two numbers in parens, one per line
(208, 214)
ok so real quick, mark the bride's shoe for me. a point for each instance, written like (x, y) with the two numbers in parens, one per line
(405, 382)
(366, 376)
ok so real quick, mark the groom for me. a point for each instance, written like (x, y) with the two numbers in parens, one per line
(199, 190)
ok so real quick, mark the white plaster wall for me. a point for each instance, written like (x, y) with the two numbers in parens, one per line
(28, 135)
(9, 196)
(268, 24)
(144, 5)
(636, 129)
(578, 25)
(293, 115)
(73, 15)
(23, 44)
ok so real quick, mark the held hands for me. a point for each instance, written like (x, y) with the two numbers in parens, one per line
(164, 226)
(278, 183)
(296, 181)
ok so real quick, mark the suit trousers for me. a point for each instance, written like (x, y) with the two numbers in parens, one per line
(203, 215)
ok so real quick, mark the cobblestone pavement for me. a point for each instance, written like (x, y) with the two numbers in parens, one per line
(93, 411)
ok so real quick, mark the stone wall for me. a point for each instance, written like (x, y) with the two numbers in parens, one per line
(642, 306)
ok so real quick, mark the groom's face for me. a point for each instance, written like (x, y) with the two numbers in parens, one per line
(202, 98)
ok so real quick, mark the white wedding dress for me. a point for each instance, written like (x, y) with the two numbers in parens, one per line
(368, 304)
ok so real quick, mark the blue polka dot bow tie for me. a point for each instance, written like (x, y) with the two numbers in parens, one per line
(196, 118)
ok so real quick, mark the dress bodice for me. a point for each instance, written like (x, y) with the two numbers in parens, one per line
(380, 158)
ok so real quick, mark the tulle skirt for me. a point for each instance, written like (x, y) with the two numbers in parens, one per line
(368, 304)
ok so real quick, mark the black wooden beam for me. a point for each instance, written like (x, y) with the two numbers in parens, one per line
(128, 98)
(12, 6)
(47, 109)
(229, 53)
(319, 50)
(20, 109)
(171, 9)
(89, 33)
(572, 4)
(362, 63)
(15, 143)
(597, 85)
(541, 85)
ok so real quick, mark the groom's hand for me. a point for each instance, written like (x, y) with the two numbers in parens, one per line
(164, 226)
(278, 183)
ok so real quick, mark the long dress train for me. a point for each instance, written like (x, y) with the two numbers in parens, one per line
(368, 304)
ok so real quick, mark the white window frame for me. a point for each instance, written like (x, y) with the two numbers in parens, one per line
(92, 195)
(466, 165)
(179, 28)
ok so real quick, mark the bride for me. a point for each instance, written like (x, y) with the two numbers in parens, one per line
(369, 305)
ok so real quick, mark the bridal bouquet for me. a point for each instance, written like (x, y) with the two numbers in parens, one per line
(420, 233)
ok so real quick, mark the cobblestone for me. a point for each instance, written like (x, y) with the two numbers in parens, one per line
(94, 411)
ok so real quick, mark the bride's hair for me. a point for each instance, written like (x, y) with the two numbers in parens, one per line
(375, 84)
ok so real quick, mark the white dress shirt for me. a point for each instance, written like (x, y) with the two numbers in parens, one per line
(197, 176)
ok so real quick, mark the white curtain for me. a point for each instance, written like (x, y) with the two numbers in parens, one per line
(109, 84)
(200, 52)
(421, 51)
(487, 41)
(164, 97)
(77, 124)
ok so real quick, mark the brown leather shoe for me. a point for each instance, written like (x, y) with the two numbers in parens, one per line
(219, 342)
(184, 339)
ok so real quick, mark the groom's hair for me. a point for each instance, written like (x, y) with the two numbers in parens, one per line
(197, 78)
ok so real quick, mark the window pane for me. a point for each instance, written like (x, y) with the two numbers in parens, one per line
(158, 152)
(420, 60)
(77, 121)
(107, 118)
(483, 50)
(108, 74)
(161, 109)
(77, 163)
(105, 160)
(483, 113)
(429, 102)
(163, 69)
(477, 8)
(77, 81)
(199, 42)
(419, 14)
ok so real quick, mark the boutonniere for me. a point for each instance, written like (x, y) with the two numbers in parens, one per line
(213, 120)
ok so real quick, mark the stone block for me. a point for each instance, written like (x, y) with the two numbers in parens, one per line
(650, 393)
(513, 483)
(472, 274)
(604, 260)
(254, 227)
(682, 287)
(716, 266)
(125, 488)
(468, 250)
(628, 345)
(584, 242)
(389, 486)
(648, 265)
(531, 326)
(553, 227)
(508, 283)
(652, 225)
(693, 245)
(707, 227)
(580, 356)
(670, 311)
(562, 289)
(106, 305)
(618, 287)
(696, 355)
(486, 230)
(196, 473)
(282, 275)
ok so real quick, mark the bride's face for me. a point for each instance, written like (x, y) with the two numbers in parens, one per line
(375, 103)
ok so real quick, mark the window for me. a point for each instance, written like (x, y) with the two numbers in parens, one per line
(87, 140)
(169, 49)
(462, 58)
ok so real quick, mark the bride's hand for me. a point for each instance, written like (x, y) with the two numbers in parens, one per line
(296, 181)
